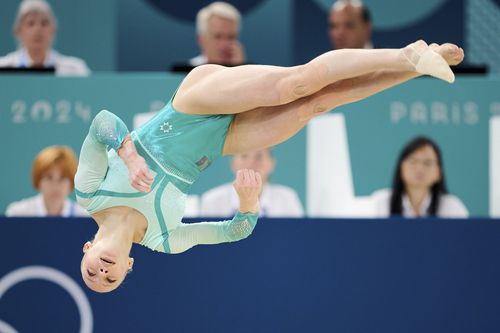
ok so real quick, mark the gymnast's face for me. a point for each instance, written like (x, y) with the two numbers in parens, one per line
(220, 41)
(261, 161)
(36, 32)
(420, 170)
(103, 270)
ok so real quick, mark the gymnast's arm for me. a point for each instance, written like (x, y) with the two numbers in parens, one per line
(107, 130)
(248, 185)
(188, 235)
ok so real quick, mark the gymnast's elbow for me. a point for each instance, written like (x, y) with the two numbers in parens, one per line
(239, 230)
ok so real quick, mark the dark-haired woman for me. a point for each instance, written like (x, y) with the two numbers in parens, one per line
(419, 187)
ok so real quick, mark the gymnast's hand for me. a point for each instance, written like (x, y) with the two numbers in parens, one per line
(138, 172)
(248, 185)
(237, 54)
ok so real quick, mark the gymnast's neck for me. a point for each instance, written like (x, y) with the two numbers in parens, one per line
(121, 225)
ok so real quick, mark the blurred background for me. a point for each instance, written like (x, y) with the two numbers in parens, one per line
(130, 47)
(132, 55)
(133, 35)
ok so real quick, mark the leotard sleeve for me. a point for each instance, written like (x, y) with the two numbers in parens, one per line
(106, 130)
(188, 235)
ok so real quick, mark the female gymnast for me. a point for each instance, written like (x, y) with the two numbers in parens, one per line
(217, 111)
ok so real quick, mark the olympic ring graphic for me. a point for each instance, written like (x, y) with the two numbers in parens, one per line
(57, 277)
(6, 328)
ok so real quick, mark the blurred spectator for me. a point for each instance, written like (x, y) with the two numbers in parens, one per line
(52, 175)
(275, 200)
(419, 187)
(217, 27)
(35, 29)
(350, 25)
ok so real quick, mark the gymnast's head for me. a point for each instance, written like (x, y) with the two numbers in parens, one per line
(105, 265)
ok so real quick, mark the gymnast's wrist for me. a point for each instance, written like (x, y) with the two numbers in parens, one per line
(249, 208)
(127, 149)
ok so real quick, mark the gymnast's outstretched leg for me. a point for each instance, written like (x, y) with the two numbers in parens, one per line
(213, 89)
(268, 126)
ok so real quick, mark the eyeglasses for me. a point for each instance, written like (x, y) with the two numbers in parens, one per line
(427, 163)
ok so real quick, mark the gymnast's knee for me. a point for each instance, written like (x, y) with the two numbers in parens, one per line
(310, 108)
(301, 81)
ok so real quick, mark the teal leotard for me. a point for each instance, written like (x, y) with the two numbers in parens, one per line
(176, 147)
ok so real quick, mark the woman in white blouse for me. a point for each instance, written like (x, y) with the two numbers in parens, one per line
(53, 172)
(419, 187)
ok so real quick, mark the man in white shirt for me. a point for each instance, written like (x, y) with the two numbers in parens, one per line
(275, 200)
(217, 28)
(350, 25)
(35, 29)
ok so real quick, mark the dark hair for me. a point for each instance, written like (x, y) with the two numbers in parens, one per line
(365, 14)
(398, 186)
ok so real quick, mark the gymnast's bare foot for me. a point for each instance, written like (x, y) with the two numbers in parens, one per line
(450, 52)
